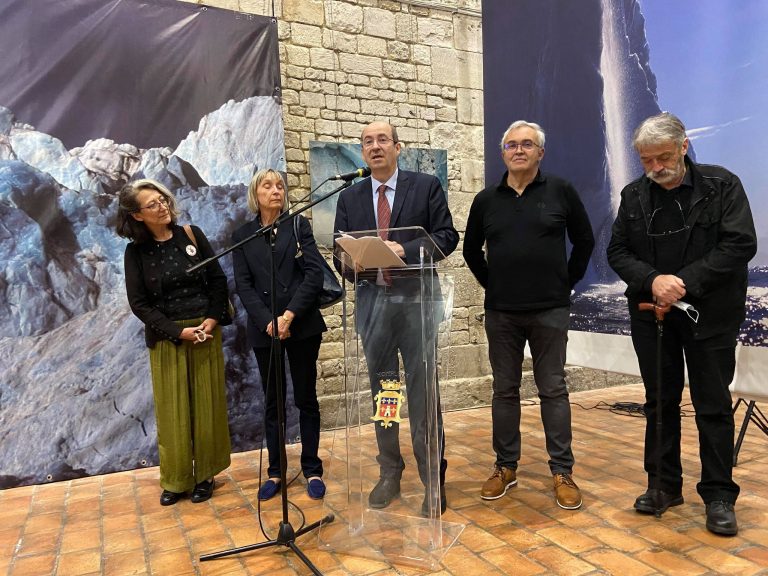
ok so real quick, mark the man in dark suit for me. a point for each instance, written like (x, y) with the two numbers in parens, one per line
(388, 315)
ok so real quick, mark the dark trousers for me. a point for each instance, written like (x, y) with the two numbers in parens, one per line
(711, 364)
(547, 334)
(390, 326)
(302, 359)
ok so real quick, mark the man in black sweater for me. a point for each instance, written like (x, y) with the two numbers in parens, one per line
(515, 246)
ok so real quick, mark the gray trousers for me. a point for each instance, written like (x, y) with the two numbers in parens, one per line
(547, 334)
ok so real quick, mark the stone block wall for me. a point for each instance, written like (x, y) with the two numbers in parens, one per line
(417, 64)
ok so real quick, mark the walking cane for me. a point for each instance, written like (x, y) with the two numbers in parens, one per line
(659, 312)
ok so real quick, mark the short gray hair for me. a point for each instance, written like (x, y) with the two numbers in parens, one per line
(664, 127)
(258, 178)
(521, 123)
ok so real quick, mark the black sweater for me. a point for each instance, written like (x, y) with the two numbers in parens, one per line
(146, 288)
(526, 266)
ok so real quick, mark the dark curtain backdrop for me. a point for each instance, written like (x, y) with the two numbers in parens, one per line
(132, 71)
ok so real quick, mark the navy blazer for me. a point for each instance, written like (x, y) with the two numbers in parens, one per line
(298, 280)
(419, 201)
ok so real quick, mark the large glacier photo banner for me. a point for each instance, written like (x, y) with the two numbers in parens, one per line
(589, 72)
(93, 94)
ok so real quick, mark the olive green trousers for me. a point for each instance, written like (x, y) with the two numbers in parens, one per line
(191, 410)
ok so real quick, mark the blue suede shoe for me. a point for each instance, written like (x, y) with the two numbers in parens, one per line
(269, 489)
(316, 488)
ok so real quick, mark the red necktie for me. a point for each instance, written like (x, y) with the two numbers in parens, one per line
(384, 214)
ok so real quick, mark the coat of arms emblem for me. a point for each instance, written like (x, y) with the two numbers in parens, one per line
(388, 403)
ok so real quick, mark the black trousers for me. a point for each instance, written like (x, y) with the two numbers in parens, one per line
(388, 326)
(302, 359)
(711, 364)
(547, 334)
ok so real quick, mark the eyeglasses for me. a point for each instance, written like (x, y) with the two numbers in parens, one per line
(155, 205)
(525, 145)
(678, 222)
(381, 141)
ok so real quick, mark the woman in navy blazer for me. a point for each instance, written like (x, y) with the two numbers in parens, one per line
(298, 281)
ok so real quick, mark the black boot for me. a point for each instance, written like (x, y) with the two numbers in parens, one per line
(721, 518)
(203, 491)
(168, 498)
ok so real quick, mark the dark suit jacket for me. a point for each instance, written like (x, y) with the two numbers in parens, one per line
(419, 201)
(298, 280)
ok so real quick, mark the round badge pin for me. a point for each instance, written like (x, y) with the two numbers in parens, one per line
(191, 250)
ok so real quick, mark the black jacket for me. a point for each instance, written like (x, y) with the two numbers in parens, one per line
(298, 281)
(720, 240)
(145, 290)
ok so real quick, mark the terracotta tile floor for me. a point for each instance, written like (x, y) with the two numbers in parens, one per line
(114, 524)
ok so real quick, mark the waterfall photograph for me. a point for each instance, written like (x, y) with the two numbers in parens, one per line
(599, 69)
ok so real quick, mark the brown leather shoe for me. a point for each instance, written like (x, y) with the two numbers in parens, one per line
(497, 485)
(567, 494)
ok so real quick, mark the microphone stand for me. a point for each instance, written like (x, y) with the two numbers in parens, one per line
(264, 229)
(286, 534)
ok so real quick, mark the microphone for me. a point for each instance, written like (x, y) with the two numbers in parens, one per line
(359, 173)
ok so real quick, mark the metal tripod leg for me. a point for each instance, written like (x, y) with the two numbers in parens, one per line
(753, 414)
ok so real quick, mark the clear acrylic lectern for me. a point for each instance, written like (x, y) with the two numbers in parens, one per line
(389, 415)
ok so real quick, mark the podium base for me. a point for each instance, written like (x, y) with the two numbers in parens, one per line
(391, 536)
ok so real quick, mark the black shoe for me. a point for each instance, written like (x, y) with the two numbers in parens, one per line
(647, 504)
(168, 498)
(203, 491)
(425, 503)
(386, 490)
(721, 518)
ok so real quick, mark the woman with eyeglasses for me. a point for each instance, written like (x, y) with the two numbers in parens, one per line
(182, 314)
(298, 281)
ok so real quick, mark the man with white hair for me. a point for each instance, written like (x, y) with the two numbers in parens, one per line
(683, 237)
(515, 246)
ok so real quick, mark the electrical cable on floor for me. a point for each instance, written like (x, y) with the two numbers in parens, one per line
(631, 409)
(258, 501)
(261, 459)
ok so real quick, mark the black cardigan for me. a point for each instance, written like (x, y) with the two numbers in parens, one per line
(145, 292)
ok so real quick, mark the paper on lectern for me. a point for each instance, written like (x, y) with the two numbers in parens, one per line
(369, 252)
